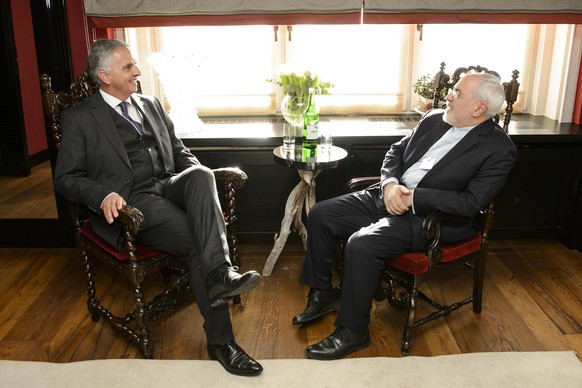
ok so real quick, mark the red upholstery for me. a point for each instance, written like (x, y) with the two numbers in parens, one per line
(416, 263)
(142, 251)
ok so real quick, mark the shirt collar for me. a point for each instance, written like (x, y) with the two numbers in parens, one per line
(462, 129)
(112, 101)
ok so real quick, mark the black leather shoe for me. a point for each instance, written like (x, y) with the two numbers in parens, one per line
(338, 344)
(234, 359)
(227, 284)
(319, 302)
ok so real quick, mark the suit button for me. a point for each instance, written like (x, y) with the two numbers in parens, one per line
(127, 182)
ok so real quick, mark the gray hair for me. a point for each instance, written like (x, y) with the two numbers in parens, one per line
(100, 57)
(492, 92)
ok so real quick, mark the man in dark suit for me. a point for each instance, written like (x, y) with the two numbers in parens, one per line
(119, 147)
(455, 160)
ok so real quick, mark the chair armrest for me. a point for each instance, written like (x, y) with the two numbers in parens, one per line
(431, 226)
(132, 219)
(431, 230)
(357, 184)
(233, 174)
(233, 178)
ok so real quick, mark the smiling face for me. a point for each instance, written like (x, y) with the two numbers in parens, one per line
(462, 108)
(120, 78)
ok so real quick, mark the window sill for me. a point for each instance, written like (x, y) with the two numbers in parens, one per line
(257, 132)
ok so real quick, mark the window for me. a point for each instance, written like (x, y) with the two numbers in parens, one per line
(228, 74)
(222, 70)
(478, 44)
(363, 61)
(229, 70)
(475, 44)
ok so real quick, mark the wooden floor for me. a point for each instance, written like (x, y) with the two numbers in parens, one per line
(532, 302)
(28, 197)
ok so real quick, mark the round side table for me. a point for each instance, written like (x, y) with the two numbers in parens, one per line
(309, 164)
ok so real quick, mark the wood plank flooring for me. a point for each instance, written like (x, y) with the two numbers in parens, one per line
(28, 197)
(532, 302)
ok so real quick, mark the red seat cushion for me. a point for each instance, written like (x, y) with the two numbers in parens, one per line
(416, 263)
(142, 251)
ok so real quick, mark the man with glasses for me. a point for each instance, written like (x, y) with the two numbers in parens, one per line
(455, 160)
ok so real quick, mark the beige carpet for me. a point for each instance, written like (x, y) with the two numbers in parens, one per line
(511, 369)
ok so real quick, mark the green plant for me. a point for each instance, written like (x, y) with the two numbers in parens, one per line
(424, 86)
(296, 82)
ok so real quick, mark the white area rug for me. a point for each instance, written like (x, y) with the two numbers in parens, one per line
(508, 369)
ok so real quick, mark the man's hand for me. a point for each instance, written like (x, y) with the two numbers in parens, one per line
(397, 199)
(111, 206)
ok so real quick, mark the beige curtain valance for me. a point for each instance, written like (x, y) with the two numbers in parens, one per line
(119, 8)
(473, 6)
(147, 13)
(125, 8)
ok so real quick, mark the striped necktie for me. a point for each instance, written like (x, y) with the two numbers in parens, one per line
(125, 114)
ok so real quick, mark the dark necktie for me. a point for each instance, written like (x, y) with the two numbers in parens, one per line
(125, 114)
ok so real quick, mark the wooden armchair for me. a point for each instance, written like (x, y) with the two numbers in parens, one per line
(401, 277)
(134, 261)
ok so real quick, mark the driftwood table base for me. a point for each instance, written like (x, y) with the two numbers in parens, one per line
(302, 196)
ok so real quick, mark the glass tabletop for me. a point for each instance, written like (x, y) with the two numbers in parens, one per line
(309, 159)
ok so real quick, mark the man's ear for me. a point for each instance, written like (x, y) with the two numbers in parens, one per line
(480, 109)
(104, 77)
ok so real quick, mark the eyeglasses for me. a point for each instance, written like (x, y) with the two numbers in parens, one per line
(456, 93)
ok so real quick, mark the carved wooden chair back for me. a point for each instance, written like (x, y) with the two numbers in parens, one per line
(444, 82)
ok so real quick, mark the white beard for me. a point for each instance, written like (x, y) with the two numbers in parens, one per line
(448, 116)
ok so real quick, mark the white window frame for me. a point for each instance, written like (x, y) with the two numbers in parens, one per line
(548, 80)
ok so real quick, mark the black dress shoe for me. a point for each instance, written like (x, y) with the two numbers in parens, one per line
(338, 345)
(319, 302)
(226, 284)
(234, 359)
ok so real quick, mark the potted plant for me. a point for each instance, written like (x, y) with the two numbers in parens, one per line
(424, 89)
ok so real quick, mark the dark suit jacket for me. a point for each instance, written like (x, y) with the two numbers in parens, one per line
(464, 181)
(92, 161)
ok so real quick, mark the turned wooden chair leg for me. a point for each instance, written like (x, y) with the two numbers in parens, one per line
(479, 276)
(145, 341)
(92, 301)
(409, 324)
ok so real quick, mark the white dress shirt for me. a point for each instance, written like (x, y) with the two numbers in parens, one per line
(436, 152)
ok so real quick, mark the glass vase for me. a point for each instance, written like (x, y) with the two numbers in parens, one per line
(293, 108)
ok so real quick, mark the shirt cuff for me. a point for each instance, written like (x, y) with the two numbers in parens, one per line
(108, 195)
(412, 202)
